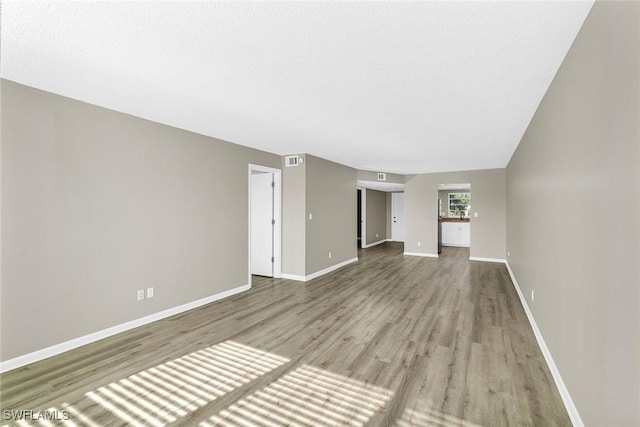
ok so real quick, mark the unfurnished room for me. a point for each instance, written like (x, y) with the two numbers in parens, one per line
(266, 214)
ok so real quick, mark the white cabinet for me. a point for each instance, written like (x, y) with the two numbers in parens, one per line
(456, 234)
(448, 232)
(465, 234)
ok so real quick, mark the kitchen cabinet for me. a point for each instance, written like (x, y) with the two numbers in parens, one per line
(456, 234)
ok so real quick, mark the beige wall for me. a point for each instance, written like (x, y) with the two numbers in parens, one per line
(294, 206)
(581, 151)
(489, 200)
(97, 204)
(376, 216)
(331, 198)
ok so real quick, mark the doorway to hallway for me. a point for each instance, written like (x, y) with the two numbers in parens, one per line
(264, 221)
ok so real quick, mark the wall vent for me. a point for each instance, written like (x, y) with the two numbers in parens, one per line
(290, 161)
(382, 176)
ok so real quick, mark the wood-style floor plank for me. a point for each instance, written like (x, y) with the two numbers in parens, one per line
(389, 340)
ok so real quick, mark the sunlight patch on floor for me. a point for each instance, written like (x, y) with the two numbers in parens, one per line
(165, 393)
(428, 417)
(303, 397)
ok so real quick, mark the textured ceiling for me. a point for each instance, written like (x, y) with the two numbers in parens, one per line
(399, 87)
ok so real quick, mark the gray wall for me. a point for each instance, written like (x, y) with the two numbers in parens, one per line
(578, 158)
(97, 204)
(331, 198)
(488, 188)
(376, 216)
(294, 183)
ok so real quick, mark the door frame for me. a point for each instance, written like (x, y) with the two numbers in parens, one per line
(277, 216)
(363, 216)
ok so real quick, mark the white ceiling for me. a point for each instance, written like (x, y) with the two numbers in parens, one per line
(387, 86)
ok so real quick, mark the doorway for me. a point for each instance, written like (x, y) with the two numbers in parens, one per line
(264, 221)
(359, 226)
(397, 217)
(362, 217)
(454, 218)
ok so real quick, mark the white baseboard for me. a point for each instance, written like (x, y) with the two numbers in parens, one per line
(330, 269)
(56, 349)
(455, 245)
(576, 420)
(475, 258)
(297, 277)
(421, 254)
(375, 243)
(318, 273)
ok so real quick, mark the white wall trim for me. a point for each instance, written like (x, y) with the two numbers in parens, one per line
(376, 243)
(297, 277)
(576, 420)
(56, 349)
(421, 254)
(475, 258)
(312, 276)
(455, 245)
(330, 269)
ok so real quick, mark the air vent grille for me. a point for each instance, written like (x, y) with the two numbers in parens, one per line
(290, 161)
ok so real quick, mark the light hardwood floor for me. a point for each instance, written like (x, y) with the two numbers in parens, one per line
(389, 340)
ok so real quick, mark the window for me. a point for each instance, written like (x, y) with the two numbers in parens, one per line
(459, 204)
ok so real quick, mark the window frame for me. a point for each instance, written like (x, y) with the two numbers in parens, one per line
(451, 213)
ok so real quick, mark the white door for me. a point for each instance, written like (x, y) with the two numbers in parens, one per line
(262, 224)
(397, 213)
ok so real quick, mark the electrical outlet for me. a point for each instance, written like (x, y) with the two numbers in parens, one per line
(140, 294)
(376, 235)
(508, 254)
(419, 244)
(149, 293)
(329, 254)
(533, 296)
(310, 216)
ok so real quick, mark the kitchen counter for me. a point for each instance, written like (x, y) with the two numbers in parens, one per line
(452, 219)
